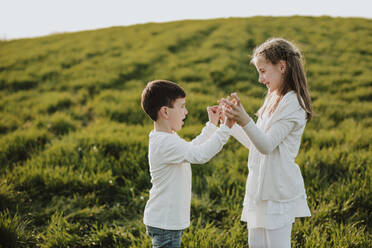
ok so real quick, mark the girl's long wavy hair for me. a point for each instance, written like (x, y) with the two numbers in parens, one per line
(275, 50)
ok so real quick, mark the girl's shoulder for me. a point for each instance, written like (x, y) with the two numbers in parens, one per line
(290, 99)
(289, 108)
(290, 95)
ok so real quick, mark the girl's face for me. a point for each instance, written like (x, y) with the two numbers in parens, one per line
(269, 74)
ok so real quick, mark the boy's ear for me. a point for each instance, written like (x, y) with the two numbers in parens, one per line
(163, 112)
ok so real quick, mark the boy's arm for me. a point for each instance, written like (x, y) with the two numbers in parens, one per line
(178, 150)
(210, 127)
(205, 134)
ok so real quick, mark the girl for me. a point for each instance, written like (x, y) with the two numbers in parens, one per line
(275, 191)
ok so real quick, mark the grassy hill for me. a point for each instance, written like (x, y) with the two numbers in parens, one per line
(73, 138)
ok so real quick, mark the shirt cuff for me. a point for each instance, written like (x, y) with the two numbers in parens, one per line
(249, 127)
(211, 126)
(225, 128)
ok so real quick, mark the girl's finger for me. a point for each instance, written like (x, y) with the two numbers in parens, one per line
(229, 111)
(227, 102)
(234, 95)
(233, 106)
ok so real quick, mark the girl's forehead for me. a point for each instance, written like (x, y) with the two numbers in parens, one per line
(260, 61)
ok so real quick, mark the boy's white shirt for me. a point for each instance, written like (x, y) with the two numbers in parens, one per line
(170, 156)
(274, 146)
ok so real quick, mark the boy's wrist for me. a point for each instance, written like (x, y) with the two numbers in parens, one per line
(214, 122)
(225, 127)
(211, 125)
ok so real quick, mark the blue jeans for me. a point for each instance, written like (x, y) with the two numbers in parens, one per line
(164, 238)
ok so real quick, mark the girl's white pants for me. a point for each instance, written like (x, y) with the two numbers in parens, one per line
(270, 238)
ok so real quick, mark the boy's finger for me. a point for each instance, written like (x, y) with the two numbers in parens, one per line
(230, 116)
(228, 111)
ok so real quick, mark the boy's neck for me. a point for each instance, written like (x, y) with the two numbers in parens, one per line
(162, 126)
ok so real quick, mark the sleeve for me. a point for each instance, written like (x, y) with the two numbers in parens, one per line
(240, 135)
(266, 143)
(179, 150)
(205, 134)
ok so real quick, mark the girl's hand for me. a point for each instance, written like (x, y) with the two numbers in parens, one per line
(214, 114)
(223, 118)
(236, 111)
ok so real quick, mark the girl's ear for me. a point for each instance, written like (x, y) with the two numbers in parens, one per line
(283, 66)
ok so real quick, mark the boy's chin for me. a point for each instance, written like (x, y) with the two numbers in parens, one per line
(176, 129)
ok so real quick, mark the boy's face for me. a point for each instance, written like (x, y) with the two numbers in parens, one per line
(177, 114)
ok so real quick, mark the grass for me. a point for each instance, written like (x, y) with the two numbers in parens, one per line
(74, 139)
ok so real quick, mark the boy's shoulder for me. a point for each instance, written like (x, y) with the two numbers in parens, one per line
(163, 139)
(166, 144)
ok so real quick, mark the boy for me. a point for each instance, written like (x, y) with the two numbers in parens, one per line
(167, 212)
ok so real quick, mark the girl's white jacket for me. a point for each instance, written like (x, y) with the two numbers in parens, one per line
(274, 146)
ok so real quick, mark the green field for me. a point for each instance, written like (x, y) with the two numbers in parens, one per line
(74, 140)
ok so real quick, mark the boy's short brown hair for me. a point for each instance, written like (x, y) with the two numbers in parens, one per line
(159, 93)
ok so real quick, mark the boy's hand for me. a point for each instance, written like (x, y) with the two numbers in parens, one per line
(229, 122)
(214, 114)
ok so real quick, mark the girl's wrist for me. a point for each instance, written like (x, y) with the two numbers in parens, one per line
(245, 121)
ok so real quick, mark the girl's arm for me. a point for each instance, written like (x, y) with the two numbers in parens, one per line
(266, 143)
(240, 135)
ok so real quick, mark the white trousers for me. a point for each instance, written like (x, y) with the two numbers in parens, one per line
(270, 238)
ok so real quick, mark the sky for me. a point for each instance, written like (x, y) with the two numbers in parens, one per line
(33, 18)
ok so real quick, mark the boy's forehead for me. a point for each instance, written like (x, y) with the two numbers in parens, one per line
(181, 100)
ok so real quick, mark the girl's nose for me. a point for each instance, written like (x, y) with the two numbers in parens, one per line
(260, 79)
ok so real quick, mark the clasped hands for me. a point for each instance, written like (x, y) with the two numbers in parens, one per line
(229, 111)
